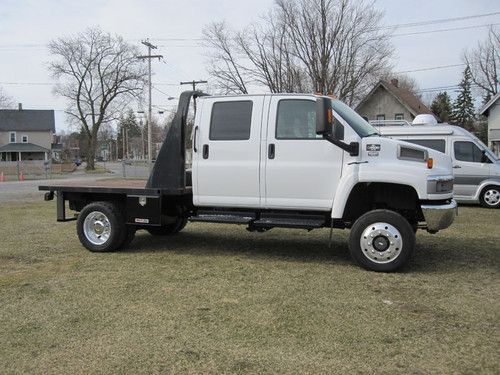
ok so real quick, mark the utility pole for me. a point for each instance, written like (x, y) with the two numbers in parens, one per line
(194, 83)
(150, 110)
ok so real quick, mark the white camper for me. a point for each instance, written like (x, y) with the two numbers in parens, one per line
(475, 166)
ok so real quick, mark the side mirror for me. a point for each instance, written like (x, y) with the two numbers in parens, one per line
(324, 116)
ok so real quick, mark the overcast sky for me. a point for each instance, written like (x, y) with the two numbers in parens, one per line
(27, 26)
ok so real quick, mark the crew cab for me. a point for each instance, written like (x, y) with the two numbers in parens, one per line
(275, 160)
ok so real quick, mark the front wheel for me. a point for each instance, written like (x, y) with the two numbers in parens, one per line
(382, 240)
(490, 197)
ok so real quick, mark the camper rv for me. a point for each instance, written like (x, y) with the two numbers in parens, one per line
(475, 167)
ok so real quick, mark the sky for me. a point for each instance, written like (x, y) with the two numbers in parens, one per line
(27, 26)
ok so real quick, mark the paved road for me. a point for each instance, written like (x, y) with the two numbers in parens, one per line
(23, 191)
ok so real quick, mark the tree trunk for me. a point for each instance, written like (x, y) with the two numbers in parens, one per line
(90, 154)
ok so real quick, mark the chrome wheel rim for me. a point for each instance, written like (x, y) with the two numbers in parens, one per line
(492, 197)
(97, 228)
(381, 243)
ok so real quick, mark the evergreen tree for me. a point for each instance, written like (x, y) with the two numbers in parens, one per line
(441, 107)
(127, 123)
(463, 107)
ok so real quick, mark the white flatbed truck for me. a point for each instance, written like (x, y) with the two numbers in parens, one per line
(275, 160)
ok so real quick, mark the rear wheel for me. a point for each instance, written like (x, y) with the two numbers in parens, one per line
(490, 197)
(170, 229)
(101, 227)
(382, 240)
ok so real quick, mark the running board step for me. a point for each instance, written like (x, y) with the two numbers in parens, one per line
(289, 223)
(224, 217)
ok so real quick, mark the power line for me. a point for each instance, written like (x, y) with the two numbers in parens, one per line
(444, 30)
(430, 68)
(437, 21)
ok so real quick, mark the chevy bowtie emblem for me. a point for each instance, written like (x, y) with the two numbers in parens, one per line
(372, 147)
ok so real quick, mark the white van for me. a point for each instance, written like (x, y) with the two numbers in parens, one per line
(475, 167)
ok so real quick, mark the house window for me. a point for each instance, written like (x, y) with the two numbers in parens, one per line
(399, 116)
(24, 139)
(380, 117)
(12, 137)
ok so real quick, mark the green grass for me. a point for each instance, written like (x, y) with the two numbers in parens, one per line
(217, 299)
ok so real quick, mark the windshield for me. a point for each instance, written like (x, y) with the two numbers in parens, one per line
(357, 123)
(486, 150)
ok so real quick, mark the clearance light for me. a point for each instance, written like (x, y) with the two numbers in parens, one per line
(430, 163)
(330, 116)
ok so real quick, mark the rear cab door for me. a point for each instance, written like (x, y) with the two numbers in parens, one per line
(226, 161)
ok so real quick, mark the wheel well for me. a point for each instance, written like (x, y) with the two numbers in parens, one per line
(367, 196)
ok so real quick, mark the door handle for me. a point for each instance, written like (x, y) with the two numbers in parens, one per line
(456, 166)
(271, 151)
(194, 139)
(205, 151)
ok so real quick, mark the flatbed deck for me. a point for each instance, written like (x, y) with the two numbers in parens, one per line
(109, 186)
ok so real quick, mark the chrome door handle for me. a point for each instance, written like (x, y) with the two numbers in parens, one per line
(456, 166)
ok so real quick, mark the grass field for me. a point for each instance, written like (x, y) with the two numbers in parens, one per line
(217, 299)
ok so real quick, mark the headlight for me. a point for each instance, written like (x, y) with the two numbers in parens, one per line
(439, 184)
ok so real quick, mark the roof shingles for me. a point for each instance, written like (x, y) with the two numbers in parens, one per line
(27, 120)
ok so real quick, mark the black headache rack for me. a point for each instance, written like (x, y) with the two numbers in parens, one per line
(144, 201)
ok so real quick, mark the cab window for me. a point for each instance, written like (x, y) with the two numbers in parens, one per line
(468, 151)
(231, 121)
(296, 119)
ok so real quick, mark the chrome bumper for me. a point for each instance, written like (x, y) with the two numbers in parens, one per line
(439, 217)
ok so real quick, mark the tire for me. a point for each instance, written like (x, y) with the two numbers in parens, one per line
(490, 197)
(101, 227)
(129, 236)
(170, 229)
(382, 241)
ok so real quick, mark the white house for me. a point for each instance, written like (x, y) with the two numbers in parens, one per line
(492, 111)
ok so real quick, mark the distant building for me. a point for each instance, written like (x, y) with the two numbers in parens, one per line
(492, 111)
(387, 101)
(26, 134)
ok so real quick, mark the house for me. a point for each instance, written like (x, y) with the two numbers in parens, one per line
(388, 101)
(492, 111)
(26, 134)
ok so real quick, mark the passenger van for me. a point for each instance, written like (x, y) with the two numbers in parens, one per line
(475, 167)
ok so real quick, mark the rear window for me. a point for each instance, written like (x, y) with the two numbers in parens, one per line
(435, 144)
(231, 121)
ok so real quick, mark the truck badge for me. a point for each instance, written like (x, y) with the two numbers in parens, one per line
(372, 147)
(142, 201)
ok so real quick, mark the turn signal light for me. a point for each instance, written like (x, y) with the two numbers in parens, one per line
(430, 163)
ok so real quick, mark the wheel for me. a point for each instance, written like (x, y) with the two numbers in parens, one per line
(169, 229)
(381, 240)
(490, 197)
(101, 227)
(129, 236)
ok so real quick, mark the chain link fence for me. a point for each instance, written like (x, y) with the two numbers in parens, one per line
(33, 169)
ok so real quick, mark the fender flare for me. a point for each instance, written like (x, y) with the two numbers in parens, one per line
(483, 185)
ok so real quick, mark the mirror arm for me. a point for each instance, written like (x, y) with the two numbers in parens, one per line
(352, 148)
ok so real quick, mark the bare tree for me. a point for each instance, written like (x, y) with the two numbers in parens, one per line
(5, 100)
(328, 46)
(484, 64)
(99, 74)
(224, 64)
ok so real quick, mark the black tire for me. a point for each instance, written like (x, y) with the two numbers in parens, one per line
(170, 229)
(109, 240)
(129, 236)
(489, 197)
(382, 241)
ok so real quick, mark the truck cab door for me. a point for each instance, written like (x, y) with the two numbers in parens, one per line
(226, 152)
(302, 170)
